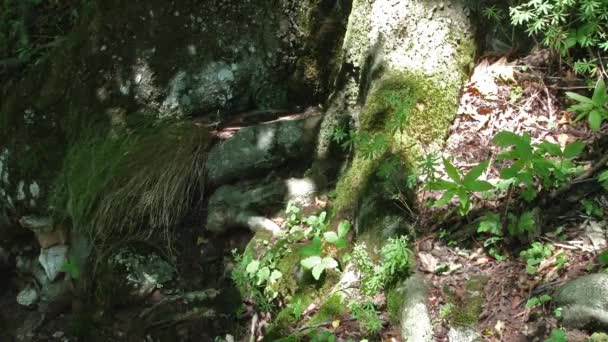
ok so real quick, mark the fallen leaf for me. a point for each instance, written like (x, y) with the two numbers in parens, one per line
(335, 324)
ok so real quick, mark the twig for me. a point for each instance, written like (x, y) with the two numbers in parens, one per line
(322, 324)
(254, 324)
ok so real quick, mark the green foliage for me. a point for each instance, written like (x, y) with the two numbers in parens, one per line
(491, 226)
(338, 239)
(557, 335)
(447, 310)
(395, 263)
(528, 164)
(561, 260)
(314, 261)
(296, 308)
(72, 269)
(367, 316)
(137, 185)
(592, 208)
(565, 24)
(461, 186)
(594, 109)
(318, 265)
(603, 179)
(522, 225)
(538, 301)
(323, 336)
(535, 255)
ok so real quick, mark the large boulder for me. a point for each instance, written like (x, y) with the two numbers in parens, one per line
(257, 150)
(584, 301)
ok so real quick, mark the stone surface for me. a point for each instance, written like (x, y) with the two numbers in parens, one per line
(48, 239)
(37, 223)
(257, 150)
(28, 296)
(415, 319)
(584, 301)
(143, 273)
(463, 334)
(53, 259)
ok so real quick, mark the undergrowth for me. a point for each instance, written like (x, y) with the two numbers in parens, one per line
(136, 185)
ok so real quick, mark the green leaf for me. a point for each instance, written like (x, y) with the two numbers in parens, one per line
(252, 267)
(579, 98)
(490, 224)
(475, 173)
(263, 274)
(509, 172)
(275, 275)
(582, 108)
(574, 149)
(506, 139)
(343, 228)
(603, 177)
(314, 248)
(595, 120)
(317, 271)
(445, 199)
(341, 243)
(330, 237)
(329, 263)
(603, 258)
(311, 262)
(452, 171)
(599, 94)
(478, 186)
(441, 184)
(528, 194)
(552, 149)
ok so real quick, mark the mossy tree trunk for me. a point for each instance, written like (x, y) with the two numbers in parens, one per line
(398, 57)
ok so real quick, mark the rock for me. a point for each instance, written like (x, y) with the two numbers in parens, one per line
(256, 150)
(28, 296)
(584, 301)
(53, 260)
(37, 223)
(428, 263)
(596, 232)
(463, 334)
(599, 337)
(52, 238)
(301, 191)
(143, 273)
(415, 319)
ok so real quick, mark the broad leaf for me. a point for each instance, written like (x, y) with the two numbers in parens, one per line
(552, 149)
(475, 173)
(331, 237)
(311, 262)
(341, 243)
(445, 199)
(478, 186)
(274, 276)
(583, 108)
(441, 184)
(599, 94)
(252, 267)
(528, 194)
(603, 177)
(329, 263)
(579, 98)
(317, 271)
(314, 248)
(506, 139)
(490, 224)
(263, 274)
(343, 228)
(574, 149)
(452, 171)
(603, 258)
(509, 172)
(595, 120)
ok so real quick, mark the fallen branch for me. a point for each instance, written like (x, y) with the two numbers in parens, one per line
(322, 325)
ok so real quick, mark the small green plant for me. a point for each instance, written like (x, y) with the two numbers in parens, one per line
(461, 186)
(338, 239)
(296, 308)
(538, 301)
(594, 108)
(603, 179)
(523, 225)
(446, 310)
(603, 258)
(561, 260)
(535, 255)
(72, 269)
(367, 316)
(318, 265)
(557, 335)
(491, 227)
(592, 208)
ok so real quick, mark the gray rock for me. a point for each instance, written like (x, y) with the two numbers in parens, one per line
(584, 301)
(241, 204)
(463, 334)
(259, 149)
(37, 223)
(415, 319)
(53, 259)
(143, 273)
(28, 296)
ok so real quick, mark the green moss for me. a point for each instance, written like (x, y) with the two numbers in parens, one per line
(468, 309)
(394, 302)
(414, 112)
(333, 308)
